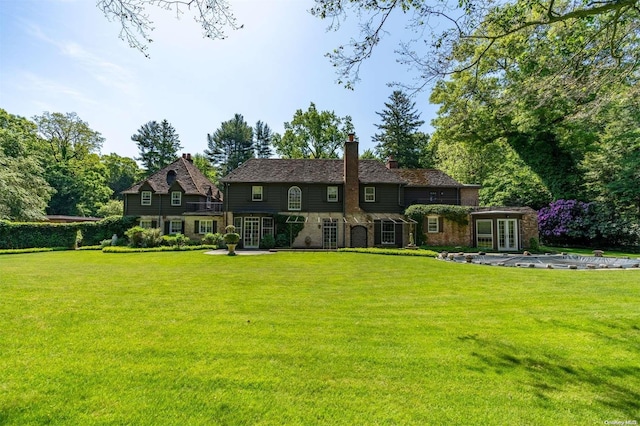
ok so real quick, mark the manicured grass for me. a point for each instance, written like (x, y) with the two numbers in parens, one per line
(312, 338)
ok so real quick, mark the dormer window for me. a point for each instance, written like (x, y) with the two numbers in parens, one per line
(145, 198)
(176, 198)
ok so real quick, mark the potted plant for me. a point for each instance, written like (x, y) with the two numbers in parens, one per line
(231, 239)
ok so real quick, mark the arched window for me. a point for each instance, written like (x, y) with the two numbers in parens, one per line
(295, 198)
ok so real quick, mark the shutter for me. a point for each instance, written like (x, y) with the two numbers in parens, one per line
(183, 230)
(154, 223)
(440, 224)
(214, 228)
(196, 227)
(398, 235)
(377, 232)
(166, 227)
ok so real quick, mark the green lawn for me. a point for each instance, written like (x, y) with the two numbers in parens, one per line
(312, 338)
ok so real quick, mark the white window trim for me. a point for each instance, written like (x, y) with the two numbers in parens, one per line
(369, 194)
(384, 233)
(146, 223)
(297, 204)
(145, 198)
(267, 230)
(174, 231)
(329, 197)
(486, 237)
(256, 193)
(205, 229)
(429, 223)
(176, 200)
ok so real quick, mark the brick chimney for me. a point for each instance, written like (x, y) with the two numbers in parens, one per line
(392, 163)
(351, 179)
(189, 159)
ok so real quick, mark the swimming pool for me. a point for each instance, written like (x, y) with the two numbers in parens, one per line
(547, 261)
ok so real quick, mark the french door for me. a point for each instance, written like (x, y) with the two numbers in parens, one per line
(507, 234)
(330, 234)
(251, 232)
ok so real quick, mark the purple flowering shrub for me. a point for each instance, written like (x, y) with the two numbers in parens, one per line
(564, 222)
(575, 222)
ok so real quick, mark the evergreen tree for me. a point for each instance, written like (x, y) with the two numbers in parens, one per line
(400, 124)
(158, 144)
(230, 145)
(262, 142)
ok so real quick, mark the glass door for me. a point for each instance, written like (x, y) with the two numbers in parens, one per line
(251, 232)
(507, 234)
(329, 234)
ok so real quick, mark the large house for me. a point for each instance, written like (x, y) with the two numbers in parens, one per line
(336, 203)
(177, 199)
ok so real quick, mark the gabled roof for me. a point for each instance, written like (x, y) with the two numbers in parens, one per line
(187, 175)
(276, 170)
(427, 177)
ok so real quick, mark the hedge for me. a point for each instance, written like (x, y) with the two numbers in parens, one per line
(22, 235)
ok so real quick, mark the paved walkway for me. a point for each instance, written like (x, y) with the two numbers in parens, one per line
(241, 252)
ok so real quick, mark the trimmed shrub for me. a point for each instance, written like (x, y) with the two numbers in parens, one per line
(267, 242)
(144, 237)
(94, 232)
(15, 235)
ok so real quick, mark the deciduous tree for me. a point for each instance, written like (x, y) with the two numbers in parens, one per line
(313, 134)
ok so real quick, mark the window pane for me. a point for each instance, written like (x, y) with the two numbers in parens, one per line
(256, 193)
(332, 193)
(388, 232)
(295, 198)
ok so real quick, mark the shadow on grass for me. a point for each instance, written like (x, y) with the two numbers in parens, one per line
(550, 375)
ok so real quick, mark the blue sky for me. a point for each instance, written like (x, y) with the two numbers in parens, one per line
(65, 56)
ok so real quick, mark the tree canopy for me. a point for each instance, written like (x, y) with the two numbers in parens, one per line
(158, 144)
(230, 145)
(313, 134)
(214, 16)
(398, 137)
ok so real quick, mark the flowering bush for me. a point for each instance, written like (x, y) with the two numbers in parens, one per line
(563, 221)
(590, 224)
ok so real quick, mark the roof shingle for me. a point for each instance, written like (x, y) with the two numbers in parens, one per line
(270, 170)
(190, 178)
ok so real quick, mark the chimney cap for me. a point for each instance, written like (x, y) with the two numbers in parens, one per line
(351, 136)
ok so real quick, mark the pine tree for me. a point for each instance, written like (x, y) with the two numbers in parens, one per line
(400, 124)
(262, 141)
(230, 145)
(158, 145)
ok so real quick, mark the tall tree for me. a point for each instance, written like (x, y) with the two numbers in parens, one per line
(24, 193)
(313, 134)
(230, 145)
(262, 134)
(67, 136)
(398, 137)
(542, 94)
(122, 172)
(158, 144)
(72, 164)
